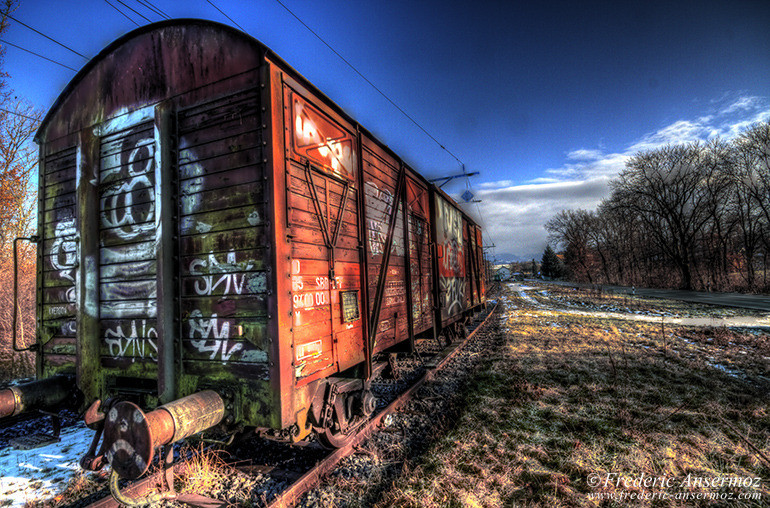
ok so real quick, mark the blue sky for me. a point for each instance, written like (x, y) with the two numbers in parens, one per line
(545, 99)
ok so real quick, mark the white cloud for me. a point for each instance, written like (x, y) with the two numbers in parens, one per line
(744, 103)
(608, 165)
(514, 215)
(680, 132)
(584, 155)
(543, 179)
(496, 185)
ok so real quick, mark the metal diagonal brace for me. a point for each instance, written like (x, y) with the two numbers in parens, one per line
(447, 179)
(330, 239)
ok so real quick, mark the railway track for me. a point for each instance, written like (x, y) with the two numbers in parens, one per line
(285, 480)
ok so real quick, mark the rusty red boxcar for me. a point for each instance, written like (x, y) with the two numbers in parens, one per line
(219, 239)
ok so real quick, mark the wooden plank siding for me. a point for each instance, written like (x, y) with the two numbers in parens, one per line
(419, 256)
(222, 226)
(59, 260)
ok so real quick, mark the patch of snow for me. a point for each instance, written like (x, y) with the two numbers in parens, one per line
(41, 473)
(727, 370)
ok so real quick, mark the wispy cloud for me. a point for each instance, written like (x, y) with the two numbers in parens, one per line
(516, 213)
(680, 132)
(744, 103)
(584, 155)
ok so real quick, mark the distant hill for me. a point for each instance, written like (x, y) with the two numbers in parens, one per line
(506, 257)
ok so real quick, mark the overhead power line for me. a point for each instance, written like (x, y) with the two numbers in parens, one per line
(153, 8)
(19, 114)
(47, 37)
(423, 129)
(37, 55)
(225, 15)
(123, 13)
(134, 11)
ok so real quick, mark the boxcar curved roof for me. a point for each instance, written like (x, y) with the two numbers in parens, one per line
(147, 65)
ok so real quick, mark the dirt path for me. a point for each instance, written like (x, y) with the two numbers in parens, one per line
(733, 321)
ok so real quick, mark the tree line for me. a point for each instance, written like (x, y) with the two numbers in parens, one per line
(692, 216)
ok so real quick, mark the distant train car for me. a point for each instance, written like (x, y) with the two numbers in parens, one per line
(220, 244)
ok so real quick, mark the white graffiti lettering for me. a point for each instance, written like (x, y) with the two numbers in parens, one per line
(64, 254)
(118, 204)
(379, 209)
(206, 285)
(453, 294)
(207, 328)
(138, 343)
(231, 283)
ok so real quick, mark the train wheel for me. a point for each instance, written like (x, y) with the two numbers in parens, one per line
(339, 432)
(333, 439)
(351, 411)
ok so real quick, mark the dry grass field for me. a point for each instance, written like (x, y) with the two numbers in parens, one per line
(579, 410)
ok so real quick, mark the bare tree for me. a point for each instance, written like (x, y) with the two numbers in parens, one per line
(569, 230)
(18, 164)
(754, 153)
(665, 188)
(745, 209)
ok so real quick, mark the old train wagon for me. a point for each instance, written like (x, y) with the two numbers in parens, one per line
(209, 220)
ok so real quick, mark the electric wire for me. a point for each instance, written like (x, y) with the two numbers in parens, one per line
(134, 11)
(371, 84)
(225, 15)
(415, 122)
(19, 114)
(159, 9)
(123, 13)
(47, 37)
(153, 8)
(37, 55)
(484, 228)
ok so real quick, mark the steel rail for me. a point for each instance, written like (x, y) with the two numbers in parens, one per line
(291, 496)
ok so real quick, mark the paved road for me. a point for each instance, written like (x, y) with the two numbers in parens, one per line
(757, 302)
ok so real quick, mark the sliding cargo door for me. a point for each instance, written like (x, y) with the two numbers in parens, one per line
(450, 257)
(323, 229)
(419, 273)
